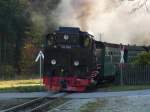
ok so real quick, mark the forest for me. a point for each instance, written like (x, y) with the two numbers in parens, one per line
(23, 26)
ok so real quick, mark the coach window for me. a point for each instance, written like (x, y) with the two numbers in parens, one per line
(110, 53)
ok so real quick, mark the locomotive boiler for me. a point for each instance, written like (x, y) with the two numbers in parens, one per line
(70, 60)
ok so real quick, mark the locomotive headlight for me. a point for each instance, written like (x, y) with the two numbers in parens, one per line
(53, 61)
(66, 37)
(76, 63)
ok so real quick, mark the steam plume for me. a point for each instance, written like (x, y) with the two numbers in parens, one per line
(119, 21)
(83, 10)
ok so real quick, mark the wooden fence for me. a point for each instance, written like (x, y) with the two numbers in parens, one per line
(129, 74)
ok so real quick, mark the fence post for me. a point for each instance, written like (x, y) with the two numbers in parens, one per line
(121, 75)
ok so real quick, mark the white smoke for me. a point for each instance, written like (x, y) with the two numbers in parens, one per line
(118, 21)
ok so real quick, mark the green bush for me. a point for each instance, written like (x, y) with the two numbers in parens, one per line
(143, 58)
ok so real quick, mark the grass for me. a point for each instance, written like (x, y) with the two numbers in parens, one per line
(91, 106)
(115, 88)
(31, 85)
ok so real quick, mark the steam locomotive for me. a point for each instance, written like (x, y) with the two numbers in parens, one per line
(74, 60)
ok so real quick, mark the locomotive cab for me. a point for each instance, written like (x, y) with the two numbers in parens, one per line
(60, 39)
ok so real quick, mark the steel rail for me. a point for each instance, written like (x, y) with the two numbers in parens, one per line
(36, 105)
(44, 107)
(23, 105)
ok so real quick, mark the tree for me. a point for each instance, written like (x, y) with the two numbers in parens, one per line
(28, 54)
(42, 19)
(139, 4)
(21, 21)
(143, 58)
(13, 23)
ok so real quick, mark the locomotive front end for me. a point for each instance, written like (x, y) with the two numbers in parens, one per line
(69, 60)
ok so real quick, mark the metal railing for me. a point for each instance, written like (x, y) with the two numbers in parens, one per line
(131, 74)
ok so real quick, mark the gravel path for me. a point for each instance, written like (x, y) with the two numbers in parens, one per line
(109, 104)
(74, 95)
(71, 106)
(128, 101)
(109, 94)
(126, 104)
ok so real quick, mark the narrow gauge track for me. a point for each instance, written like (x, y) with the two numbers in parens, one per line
(37, 105)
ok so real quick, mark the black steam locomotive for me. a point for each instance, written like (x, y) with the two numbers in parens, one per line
(74, 60)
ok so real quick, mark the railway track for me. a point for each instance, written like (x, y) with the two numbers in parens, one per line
(39, 105)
